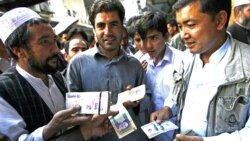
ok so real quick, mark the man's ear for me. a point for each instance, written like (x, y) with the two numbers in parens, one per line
(65, 55)
(221, 20)
(237, 14)
(94, 35)
(19, 52)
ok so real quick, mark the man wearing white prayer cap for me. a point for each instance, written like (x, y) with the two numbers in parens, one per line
(240, 29)
(32, 93)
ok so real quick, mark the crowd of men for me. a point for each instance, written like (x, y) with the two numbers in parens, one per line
(196, 70)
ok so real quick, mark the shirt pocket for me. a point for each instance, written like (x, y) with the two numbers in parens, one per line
(231, 113)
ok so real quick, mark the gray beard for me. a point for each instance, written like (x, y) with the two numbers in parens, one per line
(245, 22)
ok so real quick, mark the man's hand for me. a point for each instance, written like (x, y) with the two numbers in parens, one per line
(64, 119)
(181, 137)
(160, 115)
(130, 104)
(98, 126)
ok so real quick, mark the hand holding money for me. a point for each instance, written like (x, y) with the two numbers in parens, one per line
(130, 104)
(153, 129)
(98, 126)
(64, 119)
(90, 102)
(160, 115)
(122, 122)
(188, 135)
(134, 94)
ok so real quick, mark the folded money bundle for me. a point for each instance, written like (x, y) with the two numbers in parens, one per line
(122, 123)
(90, 102)
(153, 129)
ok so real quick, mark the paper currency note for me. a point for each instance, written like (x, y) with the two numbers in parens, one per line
(90, 102)
(122, 123)
(134, 94)
(153, 129)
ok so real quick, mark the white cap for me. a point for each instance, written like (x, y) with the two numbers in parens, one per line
(14, 18)
(240, 2)
(64, 24)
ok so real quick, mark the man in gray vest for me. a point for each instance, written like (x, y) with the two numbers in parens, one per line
(211, 96)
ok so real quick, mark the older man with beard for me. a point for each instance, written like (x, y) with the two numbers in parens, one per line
(240, 29)
(32, 93)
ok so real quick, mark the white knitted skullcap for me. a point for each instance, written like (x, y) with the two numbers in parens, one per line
(240, 2)
(14, 18)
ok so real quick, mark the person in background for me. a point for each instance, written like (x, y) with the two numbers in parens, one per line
(126, 46)
(92, 41)
(174, 38)
(77, 32)
(178, 43)
(132, 32)
(63, 37)
(118, 70)
(210, 98)
(132, 26)
(77, 42)
(32, 94)
(172, 27)
(240, 29)
(73, 47)
(162, 60)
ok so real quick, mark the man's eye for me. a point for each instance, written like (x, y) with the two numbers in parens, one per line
(48, 41)
(191, 25)
(44, 41)
(114, 24)
(75, 50)
(154, 38)
(100, 26)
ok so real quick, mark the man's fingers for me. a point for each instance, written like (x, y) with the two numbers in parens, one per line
(70, 111)
(113, 113)
(183, 137)
(153, 117)
(180, 137)
(156, 116)
(129, 87)
(82, 118)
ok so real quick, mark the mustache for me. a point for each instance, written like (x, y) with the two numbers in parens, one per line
(54, 56)
(108, 37)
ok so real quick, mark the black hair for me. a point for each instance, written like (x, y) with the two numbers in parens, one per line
(66, 47)
(76, 30)
(172, 22)
(106, 6)
(152, 21)
(132, 24)
(211, 7)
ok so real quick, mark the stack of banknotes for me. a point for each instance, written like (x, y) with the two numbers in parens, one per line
(123, 124)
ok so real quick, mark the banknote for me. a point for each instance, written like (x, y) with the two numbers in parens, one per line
(122, 122)
(134, 94)
(90, 102)
(153, 129)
